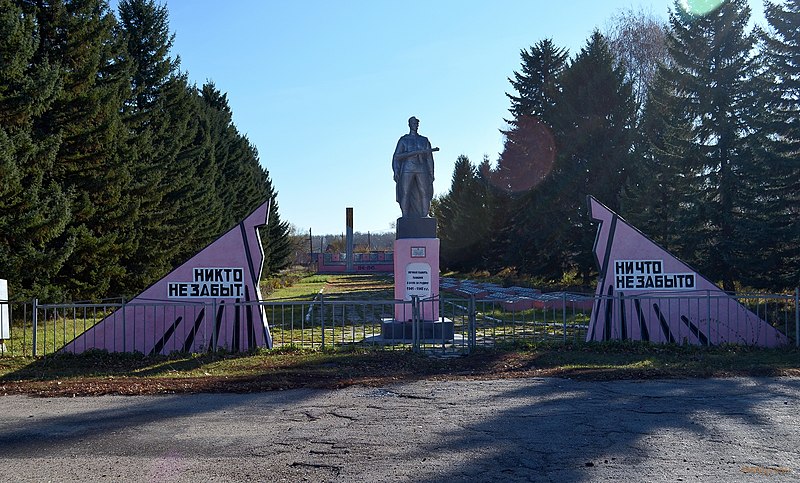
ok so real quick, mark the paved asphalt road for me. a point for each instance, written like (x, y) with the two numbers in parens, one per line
(506, 430)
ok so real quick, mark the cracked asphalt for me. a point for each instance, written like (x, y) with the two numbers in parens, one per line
(541, 429)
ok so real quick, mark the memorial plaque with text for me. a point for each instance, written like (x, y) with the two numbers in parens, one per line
(418, 280)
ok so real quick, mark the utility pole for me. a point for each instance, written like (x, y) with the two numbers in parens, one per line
(349, 241)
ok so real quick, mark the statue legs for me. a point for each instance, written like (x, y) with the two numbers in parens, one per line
(416, 201)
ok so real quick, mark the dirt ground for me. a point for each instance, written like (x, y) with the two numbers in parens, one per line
(373, 369)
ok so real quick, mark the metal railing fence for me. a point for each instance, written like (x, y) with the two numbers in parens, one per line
(37, 329)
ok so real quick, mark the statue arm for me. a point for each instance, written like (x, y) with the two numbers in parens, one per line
(429, 159)
(399, 156)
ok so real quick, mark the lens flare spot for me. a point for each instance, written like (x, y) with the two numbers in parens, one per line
(527, 158)
(698, 8)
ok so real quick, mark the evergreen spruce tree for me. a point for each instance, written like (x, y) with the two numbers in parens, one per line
(149, 149)
(276, 237)
(195, 206)
(113, 169)
(34, 211)
(660, 193)
(526, 237)
(83, 39)
(592, 119)
(537, 84)
(173, 172)
(496, 208)
(713, 72)
(597, 116)
(777, 254)
(242, 184)
(148, 41)
(516, 189)
(462, 219)
(235, 186)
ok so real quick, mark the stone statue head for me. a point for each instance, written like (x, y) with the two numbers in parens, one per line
(413, 123)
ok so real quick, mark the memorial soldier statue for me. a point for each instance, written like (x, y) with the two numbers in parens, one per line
(412, 164)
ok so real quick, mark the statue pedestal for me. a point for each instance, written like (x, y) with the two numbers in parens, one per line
(416, 228)
(416, 274)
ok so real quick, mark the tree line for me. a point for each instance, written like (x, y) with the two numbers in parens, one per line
(114, 168)
(690, 130)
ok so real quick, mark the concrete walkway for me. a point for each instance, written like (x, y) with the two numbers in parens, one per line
(506, 430)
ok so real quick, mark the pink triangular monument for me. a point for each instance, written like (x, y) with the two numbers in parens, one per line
(645, 293)
(210, 302)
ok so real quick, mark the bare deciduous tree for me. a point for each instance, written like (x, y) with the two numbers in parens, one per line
(637, 39)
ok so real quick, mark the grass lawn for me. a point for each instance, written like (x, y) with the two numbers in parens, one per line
(349, 287)
(305, 288)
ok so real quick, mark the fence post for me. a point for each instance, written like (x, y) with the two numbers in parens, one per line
(322, 317)
(472, 326)
(564, 314)
(35, 323)
(619, 306)
(214, 325)
(708, 316)
(797, 317)
(415, 323)
(124, 337)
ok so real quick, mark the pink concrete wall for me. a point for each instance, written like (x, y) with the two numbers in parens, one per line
(189, 310)
(644, 293)
(336, 266)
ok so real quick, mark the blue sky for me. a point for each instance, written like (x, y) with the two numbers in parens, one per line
(324, 89)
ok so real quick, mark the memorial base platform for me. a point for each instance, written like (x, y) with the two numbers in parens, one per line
(430, 331)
